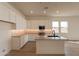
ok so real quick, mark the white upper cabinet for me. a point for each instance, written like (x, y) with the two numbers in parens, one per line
(12, 16)
(4, 12)
(24, 23)
(18, 22)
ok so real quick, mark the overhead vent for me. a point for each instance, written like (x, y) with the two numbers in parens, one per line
(45, 7)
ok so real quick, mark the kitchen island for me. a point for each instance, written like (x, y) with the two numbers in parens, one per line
(50, 45)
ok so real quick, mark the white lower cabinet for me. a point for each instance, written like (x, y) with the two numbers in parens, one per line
(22, 41)
(17, 42)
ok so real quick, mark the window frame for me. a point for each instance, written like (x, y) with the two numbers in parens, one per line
(59, 26)
(55, 27)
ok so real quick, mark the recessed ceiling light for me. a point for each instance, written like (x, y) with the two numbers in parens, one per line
(31, 11)
(45, 7)
(44, 11)
(57, 11)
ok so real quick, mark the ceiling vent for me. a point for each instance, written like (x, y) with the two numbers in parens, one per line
(45, 7)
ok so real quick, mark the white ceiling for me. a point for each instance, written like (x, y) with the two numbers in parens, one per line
(63, 8)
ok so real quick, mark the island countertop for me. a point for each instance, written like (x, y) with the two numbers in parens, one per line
(61, 38)
(51, 38)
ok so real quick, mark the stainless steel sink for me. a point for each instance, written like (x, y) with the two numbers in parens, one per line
(53, 36)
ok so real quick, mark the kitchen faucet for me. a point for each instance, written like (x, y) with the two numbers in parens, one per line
(53, 32)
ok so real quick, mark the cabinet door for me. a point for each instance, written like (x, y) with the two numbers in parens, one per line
(18, 22)
(25, 38)
(16, 43)
(21, 23)
(24, 23)
(22, 41)
(1, 11)
(12, 16)
(4, 13)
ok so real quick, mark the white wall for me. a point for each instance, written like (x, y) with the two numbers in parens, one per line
(9, 14)
(73, 30)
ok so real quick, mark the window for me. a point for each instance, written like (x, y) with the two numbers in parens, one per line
(61, 26)
(55, 26)
(64, 27)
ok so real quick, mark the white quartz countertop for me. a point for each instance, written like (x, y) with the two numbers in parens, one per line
(21, 32)
(57, 38)
(61, 38)
(51, 38)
